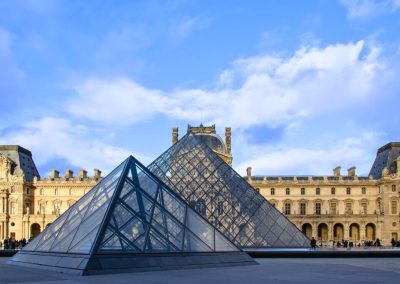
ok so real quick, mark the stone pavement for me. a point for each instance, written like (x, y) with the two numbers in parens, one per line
(270, 270)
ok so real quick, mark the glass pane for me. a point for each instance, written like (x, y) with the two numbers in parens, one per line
(113, 243)
(222, 244)
(174, 206)
(147, 183)
(200, 228)
(135, 231)
(90, 224)
(86, 243)
(193, 244)
(156, 243)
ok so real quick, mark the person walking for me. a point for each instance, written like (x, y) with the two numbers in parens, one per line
(313, 243)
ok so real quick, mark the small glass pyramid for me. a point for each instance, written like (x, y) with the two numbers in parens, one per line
(129, 213)
(219, 194)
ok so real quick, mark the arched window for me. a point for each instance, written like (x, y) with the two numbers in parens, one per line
(71, 191)
(41, 191)
(12, 190)
(201, 207)
(220, 208)
(56, 191)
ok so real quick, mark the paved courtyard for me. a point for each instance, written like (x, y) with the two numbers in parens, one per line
(278, 270)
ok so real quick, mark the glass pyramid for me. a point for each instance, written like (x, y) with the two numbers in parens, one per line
(130, 212)
(212, 188)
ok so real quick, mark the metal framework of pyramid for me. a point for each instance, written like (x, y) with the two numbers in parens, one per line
(129, 221)
(212, 188)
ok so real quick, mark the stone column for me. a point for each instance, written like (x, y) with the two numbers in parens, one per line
(315, 230)
(362, 231)
(346, 231)
(330, 233)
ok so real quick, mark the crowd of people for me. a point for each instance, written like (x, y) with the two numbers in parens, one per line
(11, 243)
(349, 244)
(395, 243)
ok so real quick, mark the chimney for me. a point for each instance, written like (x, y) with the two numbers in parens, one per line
(248, 173)
(97, 173)
(54, 173)
(336, 171)
(228, 139)
(398, 165)
(82, 173)
(174, 135)
(351, 172)
(69, 173)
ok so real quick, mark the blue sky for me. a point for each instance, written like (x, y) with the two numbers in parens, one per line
(305, 85)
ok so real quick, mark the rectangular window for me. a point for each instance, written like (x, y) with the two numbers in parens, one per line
(42, 191)
(13, 208)
(318, 208)
(287, 191)
(41, 208)
(364, 190)
(348, 191)
(317, 191)
(393, 188)
(287, 208)
(303, 191)
(348, 208)
(333, 191)
(364, 208)
(272, 191)
(394, 207)
(333, 208)
(302, 209)
(57, 208)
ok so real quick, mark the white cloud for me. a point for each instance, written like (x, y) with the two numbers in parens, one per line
(272, 90)
(188, 25)
(117, 102)
(360, 9)
(278, 90)
(355, 151)
(52, 137)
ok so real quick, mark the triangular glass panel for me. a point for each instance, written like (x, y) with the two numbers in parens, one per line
(222, 244)
(146, 183)
(113, 243)
(192, 243)
(196, 173)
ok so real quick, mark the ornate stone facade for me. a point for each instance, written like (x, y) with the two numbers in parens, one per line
(330, 208)
(338, 207)
(30, 204)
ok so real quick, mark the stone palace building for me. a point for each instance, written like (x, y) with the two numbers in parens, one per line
(330, 208)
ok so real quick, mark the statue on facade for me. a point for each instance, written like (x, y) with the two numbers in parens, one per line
(5, 167)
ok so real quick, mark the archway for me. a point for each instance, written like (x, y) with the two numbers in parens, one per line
(338, 232)
(354, 232)
(323, 232)
(307, 230)
(370, 232)
(35, 230)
